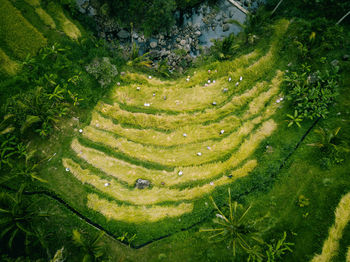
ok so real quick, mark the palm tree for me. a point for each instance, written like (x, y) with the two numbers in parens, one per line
(235, 229)
(91, 248)
(17, 216)
(329, 141)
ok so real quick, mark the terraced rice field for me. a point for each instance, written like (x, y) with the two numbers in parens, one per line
(20, 38)
(330, 247)
(186, 137)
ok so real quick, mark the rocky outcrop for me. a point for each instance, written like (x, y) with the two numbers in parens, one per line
(142, 183)
(180, 45)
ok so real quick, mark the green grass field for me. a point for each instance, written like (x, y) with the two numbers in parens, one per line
(191, 137)
(187, 150)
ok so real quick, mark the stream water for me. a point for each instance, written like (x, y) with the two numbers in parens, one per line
(223, 11)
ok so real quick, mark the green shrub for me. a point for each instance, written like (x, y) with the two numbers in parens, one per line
(307, 39)
(226, 48)
(312, 92)
(103, 70)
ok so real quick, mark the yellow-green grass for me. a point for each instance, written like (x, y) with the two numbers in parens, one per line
(7, 65)
(152, 137)
(348, 255)
(136, 214)
(201, 75)
(194, 132)
(331, 245)
(181, 95)
(129, 173)
(34, 3)
(174, 122)
(184, 155)
(199, 97)
(45, 17)
(17, 34)
(246, 149)
(68, 27)
(154, 195)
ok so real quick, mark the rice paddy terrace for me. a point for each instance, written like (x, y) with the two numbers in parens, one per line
(156, 149)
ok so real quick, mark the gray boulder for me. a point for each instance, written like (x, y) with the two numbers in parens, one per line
(123, 34)
(142, 183)
(225, 27)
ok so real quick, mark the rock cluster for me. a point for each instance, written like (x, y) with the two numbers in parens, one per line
(142, 183)
(177, 47)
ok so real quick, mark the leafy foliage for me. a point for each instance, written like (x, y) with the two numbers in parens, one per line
(294, 119)
(126, 238)
(331, 144)
(91, 248)
(11, 150)
(312, 9)
(310, 38)
(311, 92)
(226, 48)
(103, 70)
(16, 221)
(234, 228)
(42, 105)
(277, 249)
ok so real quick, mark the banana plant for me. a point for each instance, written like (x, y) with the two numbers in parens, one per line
(294, 119)
(75, 98)
(57, 94)
(91, 249)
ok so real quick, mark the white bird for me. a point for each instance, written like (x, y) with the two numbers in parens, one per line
(180, 173)
(199, 154)
(241, 78)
